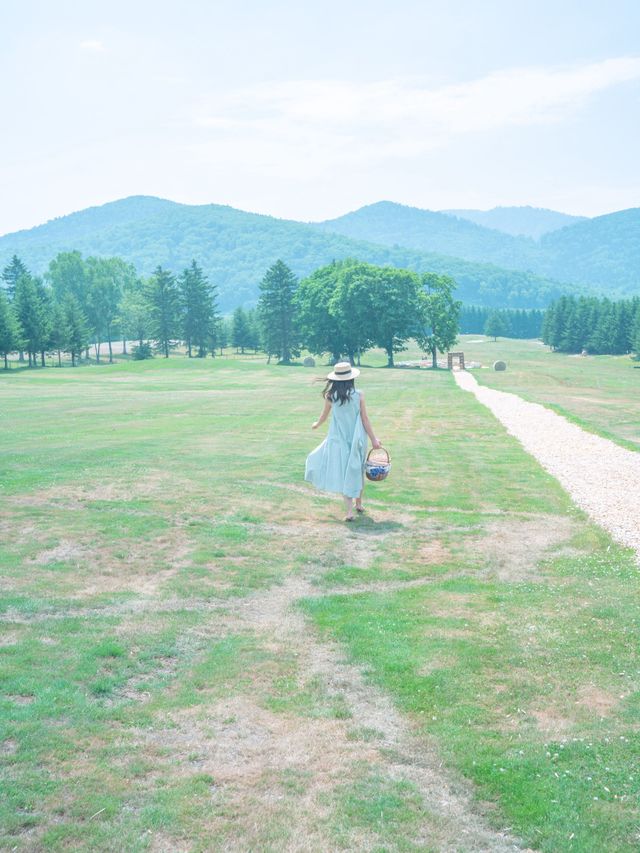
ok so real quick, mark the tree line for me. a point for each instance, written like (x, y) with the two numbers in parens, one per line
(505, 323)
(600, 326)
(341, 310)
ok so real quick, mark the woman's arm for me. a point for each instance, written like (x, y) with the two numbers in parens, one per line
(323, 416)
(366, 423)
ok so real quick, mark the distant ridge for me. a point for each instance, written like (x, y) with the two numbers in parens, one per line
(431, 231)
(518, 221)
(235, 248)
(603, 252)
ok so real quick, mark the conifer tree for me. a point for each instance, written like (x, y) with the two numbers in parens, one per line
(9, 330)
(31, 312)
(77, 326)
(11, 273)
(635, 335)
(277, 312)
(58, 340)
(240, 330)
(163, 297)
(199, 310)
(223, 334)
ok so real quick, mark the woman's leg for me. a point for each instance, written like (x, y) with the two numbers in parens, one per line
(348, 507)
(359, 507)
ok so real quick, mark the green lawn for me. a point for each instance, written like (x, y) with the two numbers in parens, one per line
(152, 513)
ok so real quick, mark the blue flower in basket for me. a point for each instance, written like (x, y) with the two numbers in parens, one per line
(377, 470)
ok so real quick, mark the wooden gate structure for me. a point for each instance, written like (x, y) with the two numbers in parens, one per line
(459, 356)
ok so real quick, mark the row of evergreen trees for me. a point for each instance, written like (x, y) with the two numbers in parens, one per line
(600, 326)
(505, 323)
(342, 309)
(93, 301)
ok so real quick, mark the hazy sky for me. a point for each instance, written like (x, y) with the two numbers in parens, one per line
(307, 110)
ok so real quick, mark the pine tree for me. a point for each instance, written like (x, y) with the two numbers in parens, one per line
(31, 310)
(199, 310)
(240, 330)
(58, 340)
(223, 334)
(277, 312)
(14, 270)
(163, 297)
(77, 326)
(635, 335)
(9, 330)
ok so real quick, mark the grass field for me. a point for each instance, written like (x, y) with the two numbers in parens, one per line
(197, 654)
(600, 392)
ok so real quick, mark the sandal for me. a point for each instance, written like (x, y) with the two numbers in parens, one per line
(349, 518)
(360, 509)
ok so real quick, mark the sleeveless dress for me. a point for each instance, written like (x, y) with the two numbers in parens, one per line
(337, 465)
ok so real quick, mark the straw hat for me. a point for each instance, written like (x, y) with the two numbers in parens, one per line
(343, 371)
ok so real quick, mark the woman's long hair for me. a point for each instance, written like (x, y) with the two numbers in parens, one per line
(340, 391)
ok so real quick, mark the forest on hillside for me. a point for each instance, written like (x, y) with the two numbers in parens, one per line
(234, 248)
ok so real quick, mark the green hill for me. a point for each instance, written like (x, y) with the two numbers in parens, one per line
(603, 253)
(235, 248)
(518, 221)
(429, 231)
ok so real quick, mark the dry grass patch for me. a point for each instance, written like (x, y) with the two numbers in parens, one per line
(513, 548)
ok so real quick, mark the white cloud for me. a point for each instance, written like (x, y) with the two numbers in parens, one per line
(317, 123)
(92, 46)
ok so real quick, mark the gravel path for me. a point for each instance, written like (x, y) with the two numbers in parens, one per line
(601, 477)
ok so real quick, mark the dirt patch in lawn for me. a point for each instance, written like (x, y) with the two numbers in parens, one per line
(65, 551)
(550, 722)
(597, 700)
(245, 745)
(513, 548)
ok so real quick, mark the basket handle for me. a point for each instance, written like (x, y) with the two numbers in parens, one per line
(379, 448)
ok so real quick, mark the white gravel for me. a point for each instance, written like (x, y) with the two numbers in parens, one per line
(601, 477)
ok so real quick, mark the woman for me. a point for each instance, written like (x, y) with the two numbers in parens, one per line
(337, 465)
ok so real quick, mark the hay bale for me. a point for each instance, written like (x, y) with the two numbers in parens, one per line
(309, 362)
(499, 365)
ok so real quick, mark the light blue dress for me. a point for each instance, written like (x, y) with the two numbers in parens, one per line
(337, 465)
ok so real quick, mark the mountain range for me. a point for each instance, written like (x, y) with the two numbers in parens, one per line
(518, 221)
(235, 248)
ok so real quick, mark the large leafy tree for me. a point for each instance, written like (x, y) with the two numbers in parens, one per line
(276, 307)
(496, 325)
(133, 318)
(9, 330)
(394, 302)
(163, 297)
(351, 306)
(67, 273)
(319, 326)
(199, 310)
(439, 316)
(105, 276)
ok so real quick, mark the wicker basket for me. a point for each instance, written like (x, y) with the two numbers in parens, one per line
(378, 465)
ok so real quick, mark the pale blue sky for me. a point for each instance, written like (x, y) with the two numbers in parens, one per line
(308, 110)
